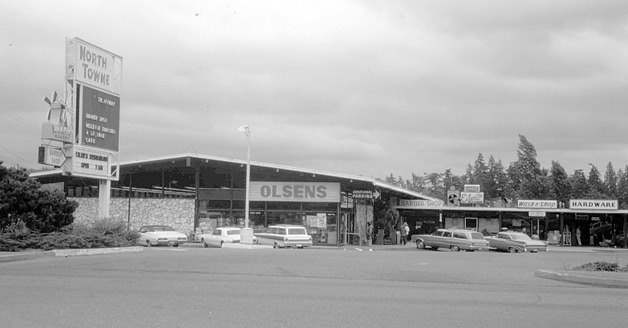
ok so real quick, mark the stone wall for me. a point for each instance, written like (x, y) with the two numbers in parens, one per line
(175, 212)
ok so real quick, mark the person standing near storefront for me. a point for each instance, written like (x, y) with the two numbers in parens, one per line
(404, 233)
(369, 234)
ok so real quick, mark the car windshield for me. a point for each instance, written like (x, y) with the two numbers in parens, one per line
(296, 231)
(520, 236)
(233, 232)
(476, 235)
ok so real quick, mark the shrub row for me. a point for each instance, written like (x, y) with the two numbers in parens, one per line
(601, 266)
(97, 235)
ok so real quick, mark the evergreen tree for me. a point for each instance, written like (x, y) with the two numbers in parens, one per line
(527, 178)
(435, 187)
(450, 179)
(480, 171)
(417, 184)
(594, 183)
(390, 179)
(467, 178)
(578, 182)
(622, 188)
(610, 181)
(560, 189)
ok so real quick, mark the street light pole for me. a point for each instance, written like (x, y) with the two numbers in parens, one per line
(248, 176)
(247, 233)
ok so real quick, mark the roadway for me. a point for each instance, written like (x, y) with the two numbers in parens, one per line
(194, 287)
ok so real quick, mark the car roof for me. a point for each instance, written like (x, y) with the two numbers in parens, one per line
(511, 233)
(229, 228)
(286, 226)
(457, 230)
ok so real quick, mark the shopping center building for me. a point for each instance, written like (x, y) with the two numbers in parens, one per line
(196, 193)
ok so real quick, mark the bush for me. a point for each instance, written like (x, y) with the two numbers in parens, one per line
(17, 236)
(599, 266)
(100, 234)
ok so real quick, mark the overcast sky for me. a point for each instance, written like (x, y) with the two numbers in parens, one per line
(358, 87)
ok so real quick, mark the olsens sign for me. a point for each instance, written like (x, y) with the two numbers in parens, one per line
(294, 192)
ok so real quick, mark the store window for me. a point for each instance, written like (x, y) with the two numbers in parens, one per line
(322, 227)
(471, 223)
(320, 207)
(283, 206)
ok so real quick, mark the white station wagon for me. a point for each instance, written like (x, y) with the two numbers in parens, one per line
(221, 236)
(285, 235)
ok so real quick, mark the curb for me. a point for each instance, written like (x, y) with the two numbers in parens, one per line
(25, 256)
(68, 252)
(95, 251)
(246, 246)
(583, 279)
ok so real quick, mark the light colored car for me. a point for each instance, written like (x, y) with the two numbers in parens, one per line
(221, 236)
(285, 235)
(513, 242)
(153, 235)
(454, 239)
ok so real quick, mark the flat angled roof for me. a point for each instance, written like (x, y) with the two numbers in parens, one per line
(375, 182)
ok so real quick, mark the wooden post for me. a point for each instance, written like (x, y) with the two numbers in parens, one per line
(561, 227)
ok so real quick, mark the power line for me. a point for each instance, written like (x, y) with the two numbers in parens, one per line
(24, 162)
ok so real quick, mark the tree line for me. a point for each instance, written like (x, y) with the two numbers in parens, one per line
(523, 179)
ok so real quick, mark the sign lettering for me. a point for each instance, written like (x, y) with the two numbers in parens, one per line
(523, 203)
(593, 204)
(294, 191)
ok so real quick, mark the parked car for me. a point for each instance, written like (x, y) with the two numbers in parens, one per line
(221, 236)
(513, 242)
(153, 235)
(454, 239)
(285, 235)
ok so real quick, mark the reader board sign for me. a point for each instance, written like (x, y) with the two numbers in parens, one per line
(310, 192)
(593, 204)
(542, 204)
(421, 203)
(93, 66)
(471, 197)
(89, 163)
(100, 113)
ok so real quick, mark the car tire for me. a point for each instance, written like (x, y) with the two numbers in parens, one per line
(454, 248)
(203, 242)
(175, 245)
(512, 250)
(221, 242)
(148, 243)
(420, 244)
(275, 245)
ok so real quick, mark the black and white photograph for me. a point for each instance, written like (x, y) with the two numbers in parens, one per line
(302, 163)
